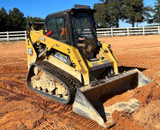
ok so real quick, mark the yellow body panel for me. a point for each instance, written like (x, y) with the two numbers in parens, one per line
(65, 67)
(82, 69)
(109, 55)
(31, 53)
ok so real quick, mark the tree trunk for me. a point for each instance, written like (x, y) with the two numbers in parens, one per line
(117, 22)
(133, 23)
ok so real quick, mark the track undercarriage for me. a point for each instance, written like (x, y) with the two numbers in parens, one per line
(50, 81)
(48, 84)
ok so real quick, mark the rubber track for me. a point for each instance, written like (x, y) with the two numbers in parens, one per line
(71, 82)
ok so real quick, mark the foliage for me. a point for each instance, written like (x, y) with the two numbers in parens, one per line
(130, 11)
(108, 13)
(101, 16)
(3, 19)
(114, 9)
(15, 20)
(134, 11)
(156, 11)
(34, 19)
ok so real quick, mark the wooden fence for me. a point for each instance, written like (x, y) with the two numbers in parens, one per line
(101, 32)
(110, 32)
(13, 36)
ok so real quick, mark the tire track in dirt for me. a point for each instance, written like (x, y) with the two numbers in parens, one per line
(61, 111)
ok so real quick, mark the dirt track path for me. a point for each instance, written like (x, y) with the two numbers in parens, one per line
(21, 108)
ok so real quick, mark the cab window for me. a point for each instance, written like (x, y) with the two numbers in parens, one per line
(58, 28)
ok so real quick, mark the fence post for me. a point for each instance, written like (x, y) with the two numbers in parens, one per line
(127, 31)
(111, 32)
(7, 36)
(25, 34)
(143, 31)
(158, 29)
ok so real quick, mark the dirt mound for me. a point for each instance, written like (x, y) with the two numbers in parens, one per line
(120, 97)
(149, 114)
(147, 93)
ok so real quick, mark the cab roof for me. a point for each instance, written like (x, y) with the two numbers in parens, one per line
(76, 9)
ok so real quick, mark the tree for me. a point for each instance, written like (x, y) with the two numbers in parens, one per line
(134, 11)
(17, 20)
(3, 20)
(147, 13)
(156, 11)
(114, 10)
(34, 19)
(108, 13)
(101, 16)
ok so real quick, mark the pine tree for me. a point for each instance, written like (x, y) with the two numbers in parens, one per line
(156, 11)
(17, 20)
(33, 19)
(3, 20)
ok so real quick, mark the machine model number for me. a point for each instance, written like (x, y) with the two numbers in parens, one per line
(30, 51)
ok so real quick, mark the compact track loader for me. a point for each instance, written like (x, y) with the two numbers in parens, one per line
(68, 64)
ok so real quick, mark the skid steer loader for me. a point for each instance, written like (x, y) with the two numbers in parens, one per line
(68, 64)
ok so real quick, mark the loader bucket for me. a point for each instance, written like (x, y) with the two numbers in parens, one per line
(89, 100)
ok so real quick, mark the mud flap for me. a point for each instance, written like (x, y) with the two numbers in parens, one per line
(89, 100)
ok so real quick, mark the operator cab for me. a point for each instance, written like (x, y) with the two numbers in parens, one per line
(75, 27)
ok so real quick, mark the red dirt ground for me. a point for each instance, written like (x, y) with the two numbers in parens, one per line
(21, 108)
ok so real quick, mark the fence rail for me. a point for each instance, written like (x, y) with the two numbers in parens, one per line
(101, 32)
(107, 32)
(13, 36)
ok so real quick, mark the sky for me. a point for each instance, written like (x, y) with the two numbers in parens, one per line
(41, 8)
